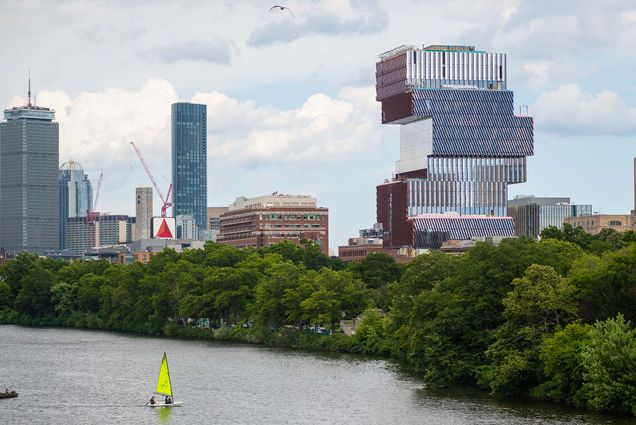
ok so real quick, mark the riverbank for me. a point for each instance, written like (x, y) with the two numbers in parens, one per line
(283, 338)
(234, 383)
(526, 319)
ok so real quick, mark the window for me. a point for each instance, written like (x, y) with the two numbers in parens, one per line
(614, 223)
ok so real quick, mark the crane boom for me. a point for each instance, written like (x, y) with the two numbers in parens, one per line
(165, 200)
(99, 187)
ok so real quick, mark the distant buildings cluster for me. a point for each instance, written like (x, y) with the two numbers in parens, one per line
(461, 146)
(52, 210)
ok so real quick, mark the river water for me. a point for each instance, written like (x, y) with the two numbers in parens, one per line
(67, 376)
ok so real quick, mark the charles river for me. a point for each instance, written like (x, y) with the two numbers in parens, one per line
(67, 376)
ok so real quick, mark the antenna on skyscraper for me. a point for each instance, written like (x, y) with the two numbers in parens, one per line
(29, 93)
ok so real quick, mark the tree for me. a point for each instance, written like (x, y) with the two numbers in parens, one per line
(6, 296)
(562, 363)
(14, 270)
(34, 297)
(607, 284)
(541, 303)
(376, 270)
(609, 366)
(268, 308)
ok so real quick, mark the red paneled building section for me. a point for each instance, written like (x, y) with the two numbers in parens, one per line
(392, 212)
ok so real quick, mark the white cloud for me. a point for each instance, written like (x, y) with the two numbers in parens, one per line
(217, 51)
(323, 129)
(569, 109)
(322, 133)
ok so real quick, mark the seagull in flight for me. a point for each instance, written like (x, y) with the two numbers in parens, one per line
(281, 8)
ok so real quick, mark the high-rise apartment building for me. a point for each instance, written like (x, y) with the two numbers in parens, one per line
(189, 161)
(143, 213)
(186, 227)
(533, 214)
(29, 161)
(266, 220)
(76, 195)
(461, 144)
(102, 230)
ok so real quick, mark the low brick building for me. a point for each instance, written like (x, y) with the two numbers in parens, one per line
(270, 219)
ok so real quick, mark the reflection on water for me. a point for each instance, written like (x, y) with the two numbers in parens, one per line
(164, 414)
(232, 384)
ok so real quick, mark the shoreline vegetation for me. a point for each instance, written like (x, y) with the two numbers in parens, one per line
(551, 319)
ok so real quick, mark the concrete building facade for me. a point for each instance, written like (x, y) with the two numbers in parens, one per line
(29, 187)
(593, 224)
(143, 213)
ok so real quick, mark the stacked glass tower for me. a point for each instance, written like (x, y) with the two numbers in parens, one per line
(29, 199)
(76, 195)
(461, 144)
(189, 161)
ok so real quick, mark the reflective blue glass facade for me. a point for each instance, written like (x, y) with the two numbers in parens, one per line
(189, 161)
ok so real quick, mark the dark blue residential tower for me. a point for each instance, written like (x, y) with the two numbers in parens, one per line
(189, 161)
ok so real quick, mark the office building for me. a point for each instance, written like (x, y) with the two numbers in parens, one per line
(186, 227)
(76, 195)
(29, 187)
(189, 161)
(461, 144)
(214, 217)
(369, 241)
(266, 220)
(143, 213)
(594, 223)
(97, 231)
(533, 214)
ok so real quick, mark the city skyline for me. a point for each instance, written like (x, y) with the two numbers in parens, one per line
(311, 112)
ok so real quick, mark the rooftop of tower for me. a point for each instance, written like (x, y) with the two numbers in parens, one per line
(30, 111)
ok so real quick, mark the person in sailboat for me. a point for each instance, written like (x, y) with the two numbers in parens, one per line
(152, 400)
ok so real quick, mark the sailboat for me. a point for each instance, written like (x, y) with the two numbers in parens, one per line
(164, 386)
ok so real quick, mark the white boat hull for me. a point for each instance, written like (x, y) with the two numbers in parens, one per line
(161, 404)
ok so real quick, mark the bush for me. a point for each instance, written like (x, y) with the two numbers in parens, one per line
(609, 367)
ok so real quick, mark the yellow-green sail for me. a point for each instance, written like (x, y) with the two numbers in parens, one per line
(163, 383)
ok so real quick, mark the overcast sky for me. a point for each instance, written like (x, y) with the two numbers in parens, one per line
(291, 98)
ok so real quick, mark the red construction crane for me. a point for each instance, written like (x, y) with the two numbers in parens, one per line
(166, 201)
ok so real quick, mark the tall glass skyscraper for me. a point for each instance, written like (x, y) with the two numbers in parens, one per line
(76, 195)
(29, 160)
(461, 143)
(189, 161)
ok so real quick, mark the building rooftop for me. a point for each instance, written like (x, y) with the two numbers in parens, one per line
(30, 112)
(449, 48)
(275, 200)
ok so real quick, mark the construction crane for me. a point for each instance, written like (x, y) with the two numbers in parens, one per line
(99, 187)
(166, 200)
(91, 216)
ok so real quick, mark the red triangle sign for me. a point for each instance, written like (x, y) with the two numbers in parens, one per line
(164, 230)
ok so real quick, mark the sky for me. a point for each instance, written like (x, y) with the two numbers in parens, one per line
(290, 95)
